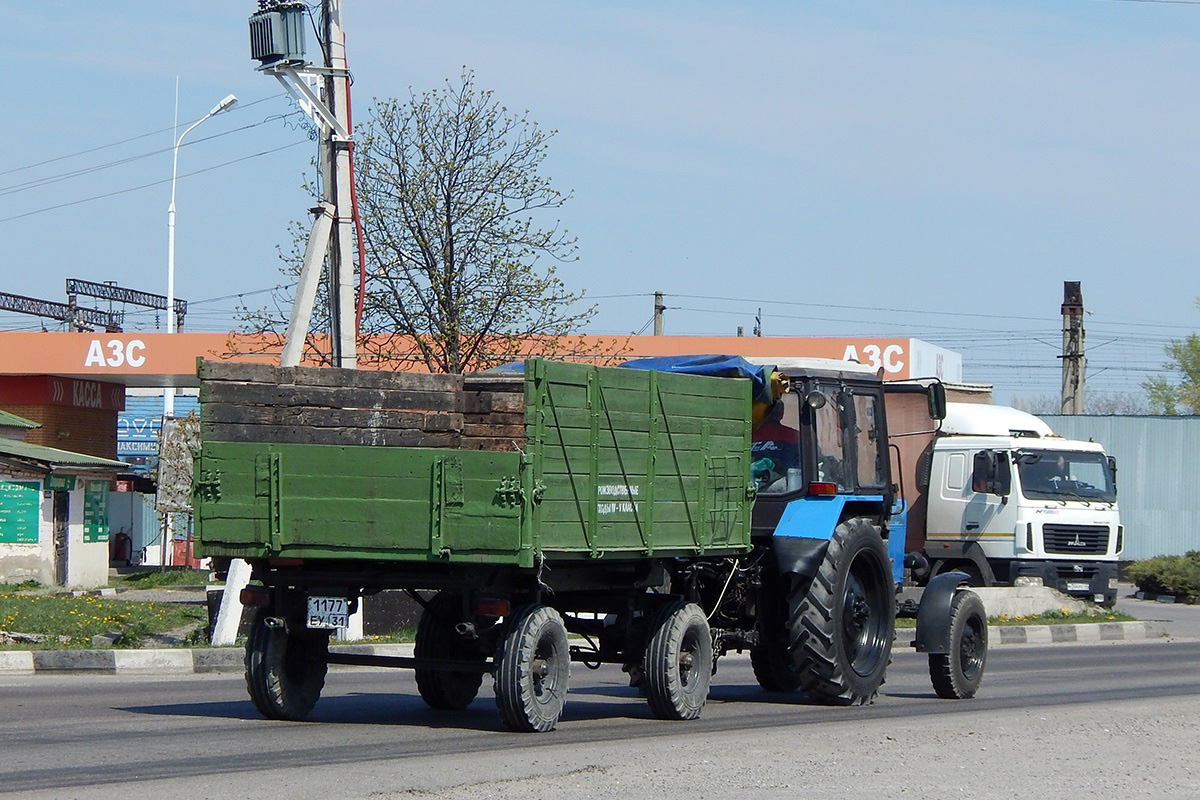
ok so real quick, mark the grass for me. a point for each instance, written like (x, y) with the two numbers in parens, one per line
(73, 621)
(1057, 617)
(405, 635)
(159, 578)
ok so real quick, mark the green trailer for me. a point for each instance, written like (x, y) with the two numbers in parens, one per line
(616, 505)
(606, 464)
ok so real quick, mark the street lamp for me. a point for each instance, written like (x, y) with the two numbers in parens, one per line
(226, 104)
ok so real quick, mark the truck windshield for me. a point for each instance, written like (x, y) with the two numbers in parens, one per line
(1065, 475)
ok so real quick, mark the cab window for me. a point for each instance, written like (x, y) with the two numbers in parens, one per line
(832, 466)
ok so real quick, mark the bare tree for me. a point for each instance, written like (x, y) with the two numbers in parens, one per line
(1103, 403)
(460, 275)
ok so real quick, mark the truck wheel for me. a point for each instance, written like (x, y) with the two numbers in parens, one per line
(841, 625)
(774, 668)
(532, 668)
(284, 673)
(436, 638)
(956, 675)
(679, 661)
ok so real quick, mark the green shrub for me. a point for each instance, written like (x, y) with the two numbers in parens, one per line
(1177, 575)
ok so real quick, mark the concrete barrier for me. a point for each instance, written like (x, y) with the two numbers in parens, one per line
(1024, 601)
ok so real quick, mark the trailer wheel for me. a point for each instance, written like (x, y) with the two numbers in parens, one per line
(842, 624)
(284, 672)
(436, 638)
(679, 661)
(956, 675)
(532, 669)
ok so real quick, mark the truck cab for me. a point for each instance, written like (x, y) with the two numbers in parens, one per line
(1010, 502)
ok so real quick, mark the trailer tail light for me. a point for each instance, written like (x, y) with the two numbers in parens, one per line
(492, 607)
(1120, 540)
(255, 596)
(822, 489)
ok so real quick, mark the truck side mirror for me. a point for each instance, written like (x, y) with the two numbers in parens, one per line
(989, 473)
(936, 395)
(1112, 468)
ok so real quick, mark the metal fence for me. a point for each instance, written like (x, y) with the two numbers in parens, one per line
(1158, 477)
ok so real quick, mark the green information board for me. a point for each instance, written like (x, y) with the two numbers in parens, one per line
(95, 511)
(19, 506)
(59, 483)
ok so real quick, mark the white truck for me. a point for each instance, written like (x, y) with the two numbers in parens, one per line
(993, 492)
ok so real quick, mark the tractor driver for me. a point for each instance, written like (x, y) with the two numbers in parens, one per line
(775, 447)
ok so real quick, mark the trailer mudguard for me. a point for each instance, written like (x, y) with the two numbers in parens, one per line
(802, 534)
(933, 615)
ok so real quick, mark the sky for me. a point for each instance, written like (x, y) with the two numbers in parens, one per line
(876, 168)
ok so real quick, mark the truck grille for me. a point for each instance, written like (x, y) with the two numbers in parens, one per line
(1079, 540)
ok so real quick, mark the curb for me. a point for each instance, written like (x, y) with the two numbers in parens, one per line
(174, 661)
(1061, 634)
(184, 661)
(1182, 599)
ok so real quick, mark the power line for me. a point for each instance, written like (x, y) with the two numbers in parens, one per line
(912, 310)
(148, 185)
(40, 182)
(241, 107)
(240, 295)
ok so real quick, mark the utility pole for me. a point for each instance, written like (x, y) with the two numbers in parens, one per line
(659, 308)
(1073, 360)
(277, 42)
(337, 191)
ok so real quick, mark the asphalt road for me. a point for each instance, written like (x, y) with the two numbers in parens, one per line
(1066, 720)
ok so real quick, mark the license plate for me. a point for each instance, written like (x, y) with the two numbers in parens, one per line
(328, 612)
(1078, 586)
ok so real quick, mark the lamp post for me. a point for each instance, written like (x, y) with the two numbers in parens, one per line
(226, 104)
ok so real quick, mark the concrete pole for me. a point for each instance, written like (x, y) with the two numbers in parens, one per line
(1073, 361)
(659, 308)
(337, 192)
(229, 617)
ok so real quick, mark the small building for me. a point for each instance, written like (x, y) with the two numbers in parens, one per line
(53, 510)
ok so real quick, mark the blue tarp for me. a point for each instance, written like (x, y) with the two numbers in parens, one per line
(511, 368)
(714, 365)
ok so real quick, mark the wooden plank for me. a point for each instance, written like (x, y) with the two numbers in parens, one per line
(293, 434)
(495, 418)
(478, 382)
(328, 397)
(488, 402)
(484, 443)
(242, 372)
(228, 413)
(637, 441)
(494, 431)
(574, 419)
